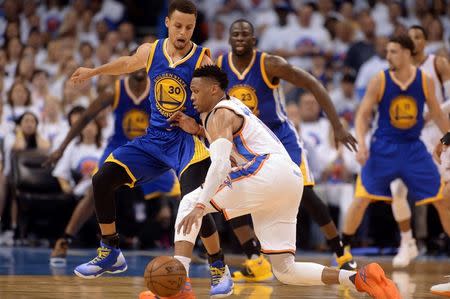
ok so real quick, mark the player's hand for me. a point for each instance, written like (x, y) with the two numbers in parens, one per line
(192, 218)
(53, 158)
(186, 123)
(437, 152)
(341, 135)
(362, 155)
(82, 74)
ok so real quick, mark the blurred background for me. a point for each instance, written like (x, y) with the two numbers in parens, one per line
(43, 42)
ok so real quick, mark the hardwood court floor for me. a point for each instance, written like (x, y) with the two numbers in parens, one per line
(414, 282)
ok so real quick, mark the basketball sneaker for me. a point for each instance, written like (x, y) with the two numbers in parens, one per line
(371, 279)
(221, 281)
(442, 289)
(59, 253)
(406, 253)
(346, 261)
(255, 270)
(186, 293)
(108, 260)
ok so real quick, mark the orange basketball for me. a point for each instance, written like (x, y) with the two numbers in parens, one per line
(165, 276)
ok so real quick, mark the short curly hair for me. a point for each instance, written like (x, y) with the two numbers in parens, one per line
(212, 72)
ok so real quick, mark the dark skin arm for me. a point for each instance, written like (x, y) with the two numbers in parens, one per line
(105, 99)
(278, 68)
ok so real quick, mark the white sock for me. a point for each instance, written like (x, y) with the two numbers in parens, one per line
(185, 261)
(406, 236)
(344, 278)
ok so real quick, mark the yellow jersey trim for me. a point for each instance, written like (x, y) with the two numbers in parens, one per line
(264, 74)
(425, 86)
(133, 97)
(150, 56)
(200, 58)
(130, 174)
(116, 94)
(247, 69)
(169, 59)
(361, 192)
(200, 153)
(383, 85)
(403, 86)
(219, 61)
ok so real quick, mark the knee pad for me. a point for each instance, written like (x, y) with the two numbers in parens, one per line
(240, 221)
(208, 227)
(315, 206)
(287, 271)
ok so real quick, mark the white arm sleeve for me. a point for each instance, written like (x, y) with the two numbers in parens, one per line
(220, 151)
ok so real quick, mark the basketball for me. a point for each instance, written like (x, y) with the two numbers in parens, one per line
(165, 276)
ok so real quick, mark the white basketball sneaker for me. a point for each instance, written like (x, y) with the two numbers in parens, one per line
(406, 253)
(442, 289)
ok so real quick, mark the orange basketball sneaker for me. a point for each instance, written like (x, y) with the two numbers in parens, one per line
(372, 280)
(186, 293)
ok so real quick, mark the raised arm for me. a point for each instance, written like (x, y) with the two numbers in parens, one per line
(220, 129)
(278, 68)
(364, 116)
(120, 66)
(105, 99)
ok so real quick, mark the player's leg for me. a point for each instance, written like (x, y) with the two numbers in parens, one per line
(192, 178)
(355, 215)
(402, 213)
(83, 211)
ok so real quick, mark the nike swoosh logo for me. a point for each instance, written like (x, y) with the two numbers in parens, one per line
(352, 264)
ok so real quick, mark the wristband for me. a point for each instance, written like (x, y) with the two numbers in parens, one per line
(446, 139)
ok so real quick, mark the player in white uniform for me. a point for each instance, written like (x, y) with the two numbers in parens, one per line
(263, 182)
(439, 70)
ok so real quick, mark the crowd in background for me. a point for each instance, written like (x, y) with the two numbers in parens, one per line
(341, 43)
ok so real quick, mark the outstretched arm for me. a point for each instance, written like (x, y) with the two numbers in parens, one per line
(220, 132)
(120, 66)
(105, 99)
(278, 67)
(364, 117)
(435, 110)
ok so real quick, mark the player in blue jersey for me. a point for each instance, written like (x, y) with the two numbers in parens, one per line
(396, 150)
(170, 64)
(131, 108)
(255, 79)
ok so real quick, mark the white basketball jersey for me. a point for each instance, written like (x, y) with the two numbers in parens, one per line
(254, 138)
(429, 67)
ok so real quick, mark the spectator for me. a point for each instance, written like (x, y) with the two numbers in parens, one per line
(25, 69)
(14, 51)
(218, 43)
(72, 116)
(103, 54)
(51, 62)
(52, 123)
(345, 35)
(12, 31)
(435, 37)
(77, 165)
(344, 98)
(275, 34)
(72, 97)
(293, 114)
(360, 51)
(66, 68)
(127, 36)
(112, 41)
(27, 135)
(19, 101)
(86, 52)
(372, 66)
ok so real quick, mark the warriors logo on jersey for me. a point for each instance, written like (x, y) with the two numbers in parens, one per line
(170, 93)
(247, 95)
(134, 123)
(403, 112)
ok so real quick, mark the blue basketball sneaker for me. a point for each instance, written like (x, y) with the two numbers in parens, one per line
(108, 260)
(221, 281)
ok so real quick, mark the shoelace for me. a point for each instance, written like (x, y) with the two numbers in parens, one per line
(216, 275)
(102, 252)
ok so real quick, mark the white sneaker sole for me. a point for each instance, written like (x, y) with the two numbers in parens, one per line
(224, 295)
(100, 274)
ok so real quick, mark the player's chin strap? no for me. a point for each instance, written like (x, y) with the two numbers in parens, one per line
(446, 139)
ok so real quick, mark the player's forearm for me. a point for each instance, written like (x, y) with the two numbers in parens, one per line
(122, 65)
(362, 121)
(442, 122)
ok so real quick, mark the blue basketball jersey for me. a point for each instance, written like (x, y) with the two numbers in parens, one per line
(130, 119)
(253, 88)
(170, 82)
(400, 109)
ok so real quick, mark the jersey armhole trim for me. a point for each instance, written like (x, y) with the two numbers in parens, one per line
(219, 61)
(116, 94)
(239, 131)
(150, 56)
(264, 74)
(382, 86)
(205, 51)
(425, 85)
